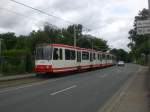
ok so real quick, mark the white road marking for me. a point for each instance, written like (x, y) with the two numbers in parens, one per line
(54, 93)
(118, 71)
(103, 76)
(25, 86)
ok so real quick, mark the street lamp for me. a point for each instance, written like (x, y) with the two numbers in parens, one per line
(149, 37)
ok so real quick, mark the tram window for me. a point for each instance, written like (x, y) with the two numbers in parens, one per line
(44, 52)
(110, 57)
(55, 54)
(39, 53)
(78, 56)
(91, 57)
(94, 57)
(98, 57)
(107, 57)
(60, 54)
(72, 55)
(85, 55)
(103, 56)
(67, 54)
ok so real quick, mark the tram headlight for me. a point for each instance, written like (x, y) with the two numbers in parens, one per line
(48, 67)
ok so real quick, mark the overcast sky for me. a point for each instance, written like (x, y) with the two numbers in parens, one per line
(108, 19)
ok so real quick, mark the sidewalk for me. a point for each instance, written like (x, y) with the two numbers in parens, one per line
(14, 77)
(133, 97)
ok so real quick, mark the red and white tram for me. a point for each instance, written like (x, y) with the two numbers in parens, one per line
(56, 58)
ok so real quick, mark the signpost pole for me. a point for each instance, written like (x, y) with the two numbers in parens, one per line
(149, 38)
(0, 46)
(149, 4)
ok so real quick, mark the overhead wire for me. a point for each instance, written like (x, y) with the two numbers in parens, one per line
(26, 17)
(43, 12)
(22, 15)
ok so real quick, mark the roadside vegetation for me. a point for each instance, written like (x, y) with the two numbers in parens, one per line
(121, 55)
(18, 52)
(139, 44)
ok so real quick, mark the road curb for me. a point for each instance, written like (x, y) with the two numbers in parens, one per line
(16, 77)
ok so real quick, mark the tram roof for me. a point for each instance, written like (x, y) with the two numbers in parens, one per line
(72, 47)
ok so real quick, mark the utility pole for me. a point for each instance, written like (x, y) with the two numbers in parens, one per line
(75, 39)
(149, 38)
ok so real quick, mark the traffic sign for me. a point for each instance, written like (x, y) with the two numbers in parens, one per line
(142, 31)
(143, 27)
(143, 23)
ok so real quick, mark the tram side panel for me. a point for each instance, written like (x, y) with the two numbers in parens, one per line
(85, 59)
(64, 60)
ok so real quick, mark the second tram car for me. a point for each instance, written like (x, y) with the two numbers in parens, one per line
(56, 58)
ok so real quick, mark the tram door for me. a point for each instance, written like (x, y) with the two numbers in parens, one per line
(78, 56)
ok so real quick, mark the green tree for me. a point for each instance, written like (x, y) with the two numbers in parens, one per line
(121, 55)
(139, 43)
(9, 40)
(22, 48)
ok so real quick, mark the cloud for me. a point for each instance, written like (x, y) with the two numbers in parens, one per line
(109, 19)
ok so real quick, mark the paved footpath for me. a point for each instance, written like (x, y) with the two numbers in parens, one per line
(133, 97)
(14, 77)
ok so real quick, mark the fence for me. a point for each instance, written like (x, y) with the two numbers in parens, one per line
(16, 65)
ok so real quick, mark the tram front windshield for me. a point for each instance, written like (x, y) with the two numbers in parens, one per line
(44, 53)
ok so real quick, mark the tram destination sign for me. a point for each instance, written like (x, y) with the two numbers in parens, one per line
(143, 27)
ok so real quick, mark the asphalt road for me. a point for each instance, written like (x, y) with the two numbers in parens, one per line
(82, 92)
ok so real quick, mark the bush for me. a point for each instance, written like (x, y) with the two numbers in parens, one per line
(16, 61)
(15, 53)
(13, 65)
